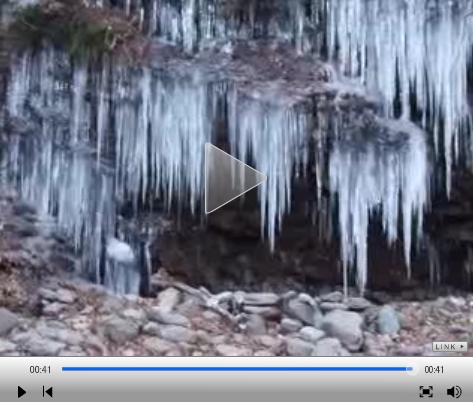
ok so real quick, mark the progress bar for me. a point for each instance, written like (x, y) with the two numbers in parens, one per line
(237, 369)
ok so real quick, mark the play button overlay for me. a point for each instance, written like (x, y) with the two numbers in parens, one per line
(226, 178)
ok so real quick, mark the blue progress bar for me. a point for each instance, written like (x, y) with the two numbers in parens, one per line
(237, 369)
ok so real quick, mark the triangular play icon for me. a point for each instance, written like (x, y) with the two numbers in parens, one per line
(21, 392)
(226, 178)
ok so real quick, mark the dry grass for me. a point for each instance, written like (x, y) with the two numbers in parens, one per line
(82, 30)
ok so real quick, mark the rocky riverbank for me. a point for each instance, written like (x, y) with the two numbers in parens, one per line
(45, 310)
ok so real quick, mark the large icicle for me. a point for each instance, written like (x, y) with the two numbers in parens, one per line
(387, 175)
(426, 42)
(160, 143)
(275, 138)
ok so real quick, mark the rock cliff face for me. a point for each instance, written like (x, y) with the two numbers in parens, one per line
(349, 134)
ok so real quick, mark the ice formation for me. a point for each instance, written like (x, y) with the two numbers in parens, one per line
(145, 132)
(427, 43)
(381, 175)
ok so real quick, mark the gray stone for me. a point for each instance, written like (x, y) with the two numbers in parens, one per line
(136, 315)
(59, 332)
(60, 295)
(190, 306)
(268, 312)
(388, 320)
(120, 330)
(8, 321)
(151, 328)
(168, 299)
(219, 339)
(330, 306)
(232, 351)
(301, 310)
(456, 301)
(65, 296)
(263, 353)
(311, 334)
(333, 297)
(318, 319)
(168, 318)
(329, 347)
(34, 344)
(53, 309)
(358, 303)
(6, 346)
(157, 346)
(261, 299)
(72, 353)
(255, 325)
(177, 334)
(290, 325)
(112, 304)
(298, 347)
(270, 342)
(346, 326)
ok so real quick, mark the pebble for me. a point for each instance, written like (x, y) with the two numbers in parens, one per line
(330, 306)
(37, 345)
(289, 325)
(299, 348)
(6, 346)
(59, 295)
(168, 318)
(168, 299)
(157, 346)
(54, 308)
(135, 315)
(301, 310)
(255, 325)
(311, 334)
(329, 347)
(232, 351)
(388, 320)
(120, 330)
(177, 334)
(151, 328)
(332, 297)
(261, 299)
(346, 326)
(358, 303)
(8, 321)
(267, 312)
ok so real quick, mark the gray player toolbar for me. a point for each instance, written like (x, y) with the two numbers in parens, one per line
(235, 379)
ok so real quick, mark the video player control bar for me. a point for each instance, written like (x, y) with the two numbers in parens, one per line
(215, 379)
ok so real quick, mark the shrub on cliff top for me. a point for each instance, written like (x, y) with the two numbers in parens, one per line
(81, 30)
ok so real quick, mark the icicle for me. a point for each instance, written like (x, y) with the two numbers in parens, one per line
(275, 137)
(19, 85)
(428, 42)
(102, 111)
(189, 32)
(153, 20)
(377, 176)
(177, 107)
(78, 122)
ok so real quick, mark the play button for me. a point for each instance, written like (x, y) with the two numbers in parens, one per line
(21, 392)
(226, 178)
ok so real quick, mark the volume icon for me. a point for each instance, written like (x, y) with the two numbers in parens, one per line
(455, 391)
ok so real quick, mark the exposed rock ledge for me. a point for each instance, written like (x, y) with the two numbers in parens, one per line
(48, 314)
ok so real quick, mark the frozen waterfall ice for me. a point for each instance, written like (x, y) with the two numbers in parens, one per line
(121, 134)
(151, 138)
